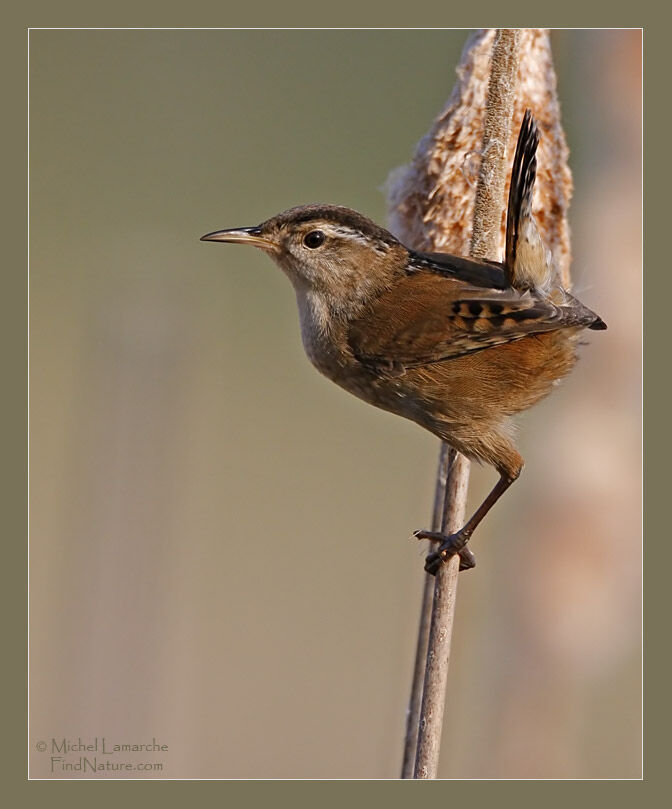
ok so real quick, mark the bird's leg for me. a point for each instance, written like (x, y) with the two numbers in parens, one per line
(451, 544)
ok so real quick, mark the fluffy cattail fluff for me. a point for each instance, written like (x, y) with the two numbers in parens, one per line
(431, 199)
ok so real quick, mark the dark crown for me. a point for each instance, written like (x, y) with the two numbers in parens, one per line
(335, 214)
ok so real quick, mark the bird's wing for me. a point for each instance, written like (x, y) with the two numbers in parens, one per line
(425, 318)
(487, 274)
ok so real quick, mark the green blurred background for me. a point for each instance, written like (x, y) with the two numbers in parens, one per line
(220, 538)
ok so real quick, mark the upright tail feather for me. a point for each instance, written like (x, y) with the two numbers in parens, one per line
(526, 262)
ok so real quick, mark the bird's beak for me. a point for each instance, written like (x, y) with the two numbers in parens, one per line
(241, 236)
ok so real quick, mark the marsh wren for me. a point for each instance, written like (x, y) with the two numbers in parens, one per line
(455, 344)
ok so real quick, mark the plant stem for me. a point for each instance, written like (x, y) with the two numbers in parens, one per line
(496, 134)
(484, 244)
(441, 625)
(415, 701)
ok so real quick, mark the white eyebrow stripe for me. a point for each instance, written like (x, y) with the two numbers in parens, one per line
(353, 235)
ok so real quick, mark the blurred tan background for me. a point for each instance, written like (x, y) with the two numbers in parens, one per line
(220, 547)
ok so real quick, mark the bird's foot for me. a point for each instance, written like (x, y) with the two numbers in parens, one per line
(449, 545)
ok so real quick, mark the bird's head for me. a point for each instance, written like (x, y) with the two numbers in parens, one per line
(329, 249)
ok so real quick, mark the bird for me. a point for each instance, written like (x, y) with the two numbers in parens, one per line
(456, 344)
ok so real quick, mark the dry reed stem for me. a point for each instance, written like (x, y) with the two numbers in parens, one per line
(487, 214)
(415, 702)
(432, 207)
(499, 105)
(430, 722)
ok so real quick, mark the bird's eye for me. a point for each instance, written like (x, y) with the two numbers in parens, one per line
(314, 239)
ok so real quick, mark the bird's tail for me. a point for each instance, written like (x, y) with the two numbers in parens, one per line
(526, 262)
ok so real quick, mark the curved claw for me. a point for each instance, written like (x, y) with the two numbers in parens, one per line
(432, 563)
(467, 559)
(436, 536)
